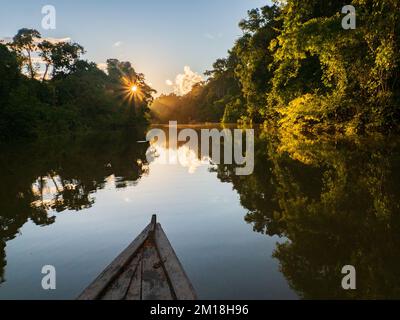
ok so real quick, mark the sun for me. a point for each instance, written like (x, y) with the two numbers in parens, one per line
(131, 90)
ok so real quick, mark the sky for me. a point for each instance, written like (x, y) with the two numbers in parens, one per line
(167, 40)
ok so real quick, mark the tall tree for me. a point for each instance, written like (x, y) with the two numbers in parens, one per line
(130, 86)
(46, 53)
(25, 43)
(64, 56)
(9, 73)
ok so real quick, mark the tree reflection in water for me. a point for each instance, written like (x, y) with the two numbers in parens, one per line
(62, 175)
(336, 201)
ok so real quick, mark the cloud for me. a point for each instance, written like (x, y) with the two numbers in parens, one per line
(169, 83)
(38, 62)
(118, 44)
(38, 40)
(6, 40)
(54, 40)
(102, 66)
(185, 81)
(36, 58)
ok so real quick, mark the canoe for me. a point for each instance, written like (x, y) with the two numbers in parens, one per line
(148, 269)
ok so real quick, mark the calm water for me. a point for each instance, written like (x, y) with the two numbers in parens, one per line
(285, 232)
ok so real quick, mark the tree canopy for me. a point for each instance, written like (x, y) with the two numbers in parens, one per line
(66, 94)
(295, 66)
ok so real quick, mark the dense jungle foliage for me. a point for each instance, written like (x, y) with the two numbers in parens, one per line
(295, 66)
(68, 94)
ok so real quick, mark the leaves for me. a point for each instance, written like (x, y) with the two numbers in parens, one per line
(78, 96)
(296, 49)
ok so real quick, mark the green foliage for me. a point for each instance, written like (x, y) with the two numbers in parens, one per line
(297, 67)
(78, 97)
(234, 111)
(24, 43)
(253, 59)
(207, 101)
(123, 73)
(351, 73)
(64, 57)
(9, 73)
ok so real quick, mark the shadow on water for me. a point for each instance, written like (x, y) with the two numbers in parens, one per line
(337, 201)
(60, 175)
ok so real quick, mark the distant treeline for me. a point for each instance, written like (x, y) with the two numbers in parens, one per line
(295, 66)
(64, 93)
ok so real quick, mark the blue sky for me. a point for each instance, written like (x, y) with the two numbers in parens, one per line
(159, 37)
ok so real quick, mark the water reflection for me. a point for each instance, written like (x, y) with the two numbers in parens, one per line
(335, 200)
(62, 175)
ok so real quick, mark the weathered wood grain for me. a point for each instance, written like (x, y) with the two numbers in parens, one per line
(135, 287)
(119, 288)
(155, 285)
(147, 270)
(181, 285)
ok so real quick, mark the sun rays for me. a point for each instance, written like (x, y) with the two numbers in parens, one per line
(131, 90)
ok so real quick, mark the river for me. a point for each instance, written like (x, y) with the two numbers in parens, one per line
(310, 207)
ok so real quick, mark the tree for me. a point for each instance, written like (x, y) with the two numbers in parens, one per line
(254, 59)
(64, 56)
(25, 43)
(237, 86)
(347, 77)
(78, 97)
(9, 73)
(295, 67)
(46, 53)
(130, 86)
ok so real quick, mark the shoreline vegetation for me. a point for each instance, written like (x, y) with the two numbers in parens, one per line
(325, 106)
(68, 95)
(335, 193)
(295, 68)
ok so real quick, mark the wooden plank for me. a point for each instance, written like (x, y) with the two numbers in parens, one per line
(135, 287)
(155, 285)
(119, 288)
(181, 285)
(153, 223)
(98, 286)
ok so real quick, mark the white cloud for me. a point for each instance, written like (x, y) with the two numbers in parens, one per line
(118, 44)
(36, 58)
(53, 40)
(102, 66)
(169, 83)
(185, 81)
(38, 62)
(38, 40)
(6, 40)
